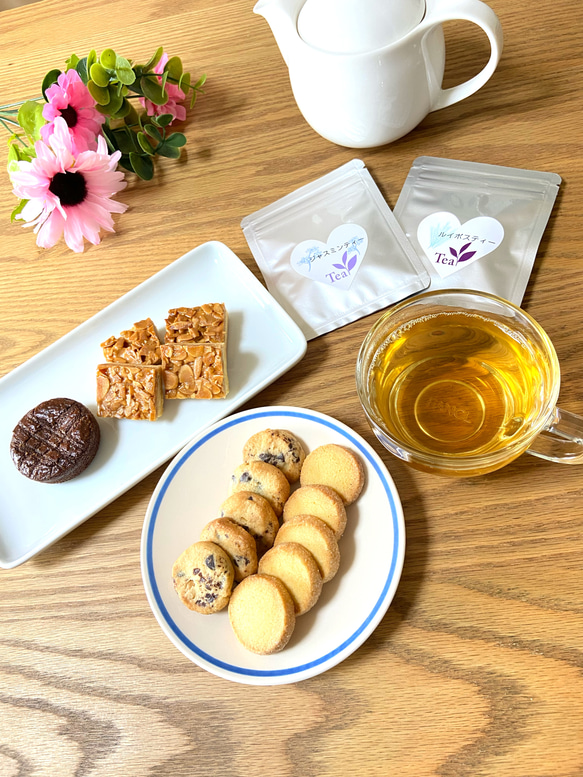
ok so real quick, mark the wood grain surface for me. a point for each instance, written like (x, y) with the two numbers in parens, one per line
(476, 670)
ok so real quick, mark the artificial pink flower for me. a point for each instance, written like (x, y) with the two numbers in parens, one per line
(70, 99)
(68, 193)
(174, 94)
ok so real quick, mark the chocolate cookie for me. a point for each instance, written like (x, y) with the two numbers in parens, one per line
(278, 447)
(254, 513)
(55, 441)
(203, 577)
(263, 479)
(237, 543)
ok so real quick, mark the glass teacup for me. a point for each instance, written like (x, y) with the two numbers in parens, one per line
(461, 383)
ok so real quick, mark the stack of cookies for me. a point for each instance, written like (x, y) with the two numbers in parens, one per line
(141, 372)
(268, 574)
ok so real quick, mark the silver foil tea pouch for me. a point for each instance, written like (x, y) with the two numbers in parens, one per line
(476, 226)
(332, 251)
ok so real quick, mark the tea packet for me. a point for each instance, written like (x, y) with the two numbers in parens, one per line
(476, 226)
(332, 251)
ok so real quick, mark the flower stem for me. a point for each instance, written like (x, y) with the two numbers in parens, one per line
(3, 108)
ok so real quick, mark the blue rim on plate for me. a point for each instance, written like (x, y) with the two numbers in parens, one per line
(371, 618)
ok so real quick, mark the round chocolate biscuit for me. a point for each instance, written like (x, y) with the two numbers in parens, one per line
(55, 441)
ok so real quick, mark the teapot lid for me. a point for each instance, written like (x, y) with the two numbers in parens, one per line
(356, 26)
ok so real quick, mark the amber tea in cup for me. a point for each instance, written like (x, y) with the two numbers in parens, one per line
(461, 383)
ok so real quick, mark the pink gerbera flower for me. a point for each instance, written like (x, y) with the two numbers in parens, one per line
(70, 99)
(174, 94)
(68, 194)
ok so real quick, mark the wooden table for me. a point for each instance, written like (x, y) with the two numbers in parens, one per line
(476, 668)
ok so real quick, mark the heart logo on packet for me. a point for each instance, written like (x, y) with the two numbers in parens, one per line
(335, 262)
(450, 245)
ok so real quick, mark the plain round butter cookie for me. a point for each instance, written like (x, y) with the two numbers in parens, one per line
(203, 577)
(315, 536)
(278, 447)
(320, 501)
(296, 568)
(337, 467)
(262, 614)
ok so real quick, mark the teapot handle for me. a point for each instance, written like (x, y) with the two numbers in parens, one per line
(472, 11)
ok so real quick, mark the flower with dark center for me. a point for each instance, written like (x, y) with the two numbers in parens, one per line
(68, 193)
(70, 116)
(70, 99)
(70, 188)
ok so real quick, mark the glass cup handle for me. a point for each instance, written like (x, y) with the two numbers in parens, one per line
(561, 440)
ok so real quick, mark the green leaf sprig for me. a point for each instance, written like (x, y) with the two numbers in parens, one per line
(114, 81)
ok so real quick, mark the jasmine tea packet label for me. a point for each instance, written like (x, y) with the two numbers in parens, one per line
(476, 226)
(332, 251)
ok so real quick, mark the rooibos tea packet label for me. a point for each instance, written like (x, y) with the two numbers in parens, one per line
(476, 226)
(332, 251)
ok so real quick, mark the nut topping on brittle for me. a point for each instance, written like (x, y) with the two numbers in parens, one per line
(138, 345)
(201, 324)
(194, 371)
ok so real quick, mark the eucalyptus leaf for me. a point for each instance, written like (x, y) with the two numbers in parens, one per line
(184, 82)
(153, 132)
(142, 166)
(124, 161)
(99, 93)
(123, 71)
(125, 140)
(163, 120)
(108, 59)
(81, 68)
(177, 140)
(153, 61)
(72, 62)
(99, 74)
(145, 144)
(169, 151)
(49, 80)
(108, 135)
(132, 116)
(174, 68)
(153, 91)
(115, 101)
(125, 109)
(91, 59)
(12, 154)
(30, 118)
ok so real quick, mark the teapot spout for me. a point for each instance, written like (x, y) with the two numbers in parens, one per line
(282, 17)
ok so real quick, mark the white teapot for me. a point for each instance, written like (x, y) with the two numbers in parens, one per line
(366, 72)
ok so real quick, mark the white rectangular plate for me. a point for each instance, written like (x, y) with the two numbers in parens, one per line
(263, 344)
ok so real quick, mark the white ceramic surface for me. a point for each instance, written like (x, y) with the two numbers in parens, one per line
(372, 549)
(370, 98)
(354, 26)
(263, 343)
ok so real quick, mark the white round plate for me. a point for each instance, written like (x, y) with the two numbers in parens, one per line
(372, 550)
